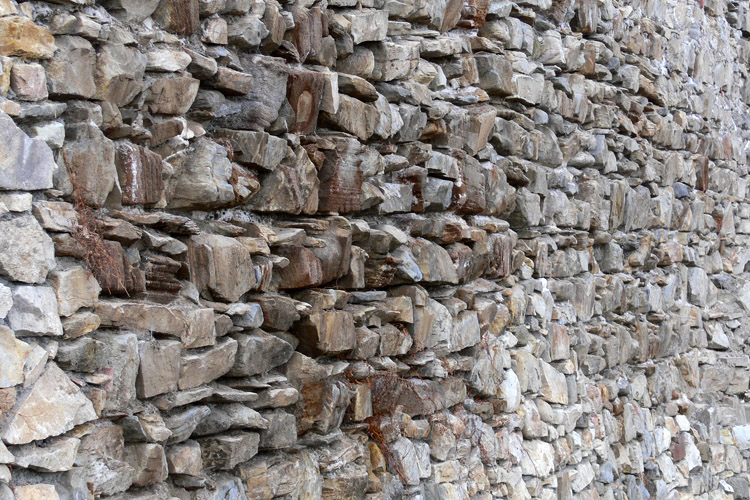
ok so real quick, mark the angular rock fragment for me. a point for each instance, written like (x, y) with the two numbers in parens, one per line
(221, 266)
(13, 355)
(139, 172)
(178, 16)
(75, 288)
(25, 163)
(89, 158)
(328, 332)
(26, 251)
(149, 462)
(119, 73)
(159, 367)
(192, 325)
(207, 364)
(224, 451)
(54, 405)
(35, 311)
(259, 352)
(71, 72)
(19, 36)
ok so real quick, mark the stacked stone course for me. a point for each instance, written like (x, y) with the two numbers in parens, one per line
(374, 249)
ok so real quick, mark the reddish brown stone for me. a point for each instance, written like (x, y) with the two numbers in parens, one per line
(307, 35)
(501, 256)
(452, 15)
(178, 16)
(305, 91)
(140, 173)
(276, 25)
(469, 195)
(417, 177)
(701, 172)
(304, 269)
(340, 177)
(587, 16)
(115, 274)
(379, 271)
(473, 13)
(161, 274)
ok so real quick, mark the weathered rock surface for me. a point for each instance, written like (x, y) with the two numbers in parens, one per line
(386, 249)
(25, 163)
(51, 407)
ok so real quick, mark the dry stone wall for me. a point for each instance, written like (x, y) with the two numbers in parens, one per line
(374, 249)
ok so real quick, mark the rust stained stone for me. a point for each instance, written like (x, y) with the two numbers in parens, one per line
(178, 16)
(310, 26)
(341, 177)
(304, 269)
(417, 177)
(305, 91)
(474, 13)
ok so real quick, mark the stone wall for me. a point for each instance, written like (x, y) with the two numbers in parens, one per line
(374, 249)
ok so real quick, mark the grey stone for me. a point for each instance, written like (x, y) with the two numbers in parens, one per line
(25, 163)
(34, 311)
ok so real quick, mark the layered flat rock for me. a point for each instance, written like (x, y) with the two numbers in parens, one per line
(192, 325)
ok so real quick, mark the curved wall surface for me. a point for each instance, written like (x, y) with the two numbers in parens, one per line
(374, 249)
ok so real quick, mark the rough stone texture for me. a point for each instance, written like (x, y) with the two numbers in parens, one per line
(13, 355)
(51, 407)
(25, 163)
(449, 249)
(19, 36)
(35, 311)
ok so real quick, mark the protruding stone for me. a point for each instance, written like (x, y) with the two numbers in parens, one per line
(54, 405)
(34, 311)
(159, 369)
(192, 325)
(224, 451)
(178, 16)
(25, 164)
(13, 355)
(36, 492)
(119, 73)
(19, 36)
(149, 462)
(140, 173)
(201, 366)
(185, 458)
(29, 81)
(71, 72)
(172, 96)
(259, 352)
(56, 456)
(75, 288)
(328, 332)
(89, 157)
(221, 266)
